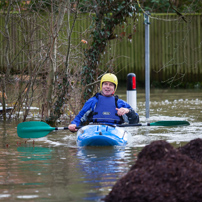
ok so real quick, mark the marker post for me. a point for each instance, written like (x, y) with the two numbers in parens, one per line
(131, 90)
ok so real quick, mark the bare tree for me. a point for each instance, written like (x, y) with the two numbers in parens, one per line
(7, 59)
(26, 45)
(62, 80)
(56, 23)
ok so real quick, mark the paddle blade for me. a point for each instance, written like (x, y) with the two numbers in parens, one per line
(33, 129)
(170, 123)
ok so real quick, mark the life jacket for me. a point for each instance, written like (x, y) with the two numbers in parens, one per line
(105, 110)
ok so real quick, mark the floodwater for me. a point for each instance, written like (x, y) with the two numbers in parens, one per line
(53, 168)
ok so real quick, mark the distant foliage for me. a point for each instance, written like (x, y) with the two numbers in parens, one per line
(171, 6)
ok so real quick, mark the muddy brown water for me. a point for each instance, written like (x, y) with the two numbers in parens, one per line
(53, 168)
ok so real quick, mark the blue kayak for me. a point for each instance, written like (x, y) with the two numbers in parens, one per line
(102, 135)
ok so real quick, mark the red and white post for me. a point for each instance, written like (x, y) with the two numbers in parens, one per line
(131, 90)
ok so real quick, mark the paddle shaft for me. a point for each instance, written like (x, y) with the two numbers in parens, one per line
(65, 128)
(135, 124)
(61, 128)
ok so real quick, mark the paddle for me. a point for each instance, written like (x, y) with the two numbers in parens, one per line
(37, 129)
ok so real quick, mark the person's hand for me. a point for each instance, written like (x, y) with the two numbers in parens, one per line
(72, 127)
(122, 111)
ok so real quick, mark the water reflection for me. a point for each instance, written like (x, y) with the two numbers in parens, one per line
(33, 161)
(34, 153)
(23, 171)
(101, 167)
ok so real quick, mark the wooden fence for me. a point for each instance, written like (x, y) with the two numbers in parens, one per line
(175, 47)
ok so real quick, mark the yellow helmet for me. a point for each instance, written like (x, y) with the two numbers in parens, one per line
(111, 78)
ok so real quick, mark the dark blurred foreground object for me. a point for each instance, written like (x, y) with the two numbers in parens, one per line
(162, 174)
(193, 149)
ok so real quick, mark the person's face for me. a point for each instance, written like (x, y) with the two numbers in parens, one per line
(108, 88)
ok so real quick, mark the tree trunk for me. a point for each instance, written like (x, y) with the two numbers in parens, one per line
(56, 25)
(7, 49)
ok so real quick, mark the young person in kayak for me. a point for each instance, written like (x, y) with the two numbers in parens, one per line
(104, 107)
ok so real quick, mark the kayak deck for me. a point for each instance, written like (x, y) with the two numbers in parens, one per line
(102, 135)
